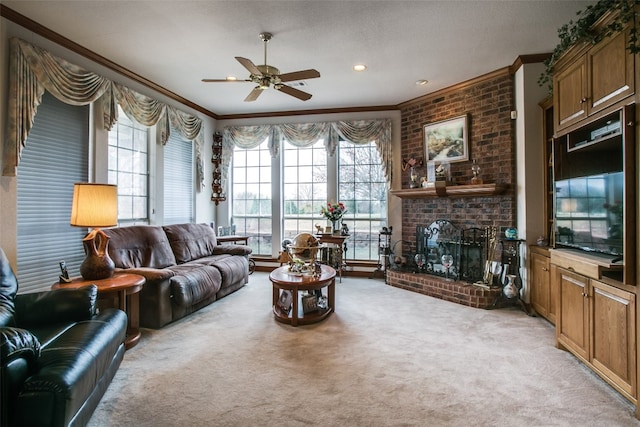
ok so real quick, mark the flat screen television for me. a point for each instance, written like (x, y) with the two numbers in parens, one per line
(589, 213)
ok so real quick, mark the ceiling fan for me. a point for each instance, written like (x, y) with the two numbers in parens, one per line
(266, 76)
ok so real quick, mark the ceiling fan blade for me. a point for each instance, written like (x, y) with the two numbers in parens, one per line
(303, 96)
(246, 63)
(224, 81)
(254, 94)
(299, 75)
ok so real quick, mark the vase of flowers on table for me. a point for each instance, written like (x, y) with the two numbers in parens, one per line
(334, 213)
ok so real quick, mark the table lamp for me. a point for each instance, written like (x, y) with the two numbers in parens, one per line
(95, 206)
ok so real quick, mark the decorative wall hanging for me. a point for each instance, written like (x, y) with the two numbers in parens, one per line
(217, 189)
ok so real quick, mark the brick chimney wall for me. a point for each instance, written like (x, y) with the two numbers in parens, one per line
(488, 101)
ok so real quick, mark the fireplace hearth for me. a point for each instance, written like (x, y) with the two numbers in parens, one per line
(466, 276)
(454, 291)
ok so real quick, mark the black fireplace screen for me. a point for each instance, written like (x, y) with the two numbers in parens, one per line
(473, 247)
(442, 249)
(440, 245)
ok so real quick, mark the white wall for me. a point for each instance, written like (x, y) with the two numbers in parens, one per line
(8, 228)
(204, 208)
(531, 219)
(530, 152)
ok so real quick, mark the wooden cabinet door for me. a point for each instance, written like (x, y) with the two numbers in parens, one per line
(540, 289)
(572, 327)
(570, 94)
(613, 346)
(600, 78)
(611, 68)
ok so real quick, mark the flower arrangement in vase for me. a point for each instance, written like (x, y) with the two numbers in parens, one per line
(334, 212)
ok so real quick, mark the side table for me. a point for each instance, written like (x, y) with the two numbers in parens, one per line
(232, 239)
(125, 287)
(339, 248)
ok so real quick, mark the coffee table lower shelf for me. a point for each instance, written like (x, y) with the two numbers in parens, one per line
(302, 318)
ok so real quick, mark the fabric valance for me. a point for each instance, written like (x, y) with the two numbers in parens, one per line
(305, 134)
(32, 70)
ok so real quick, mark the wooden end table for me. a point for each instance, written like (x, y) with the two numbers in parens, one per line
(340, 247)
(123, 286)
(232, 239)
(283, 282)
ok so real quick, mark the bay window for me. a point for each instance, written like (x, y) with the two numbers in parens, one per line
(278, 192)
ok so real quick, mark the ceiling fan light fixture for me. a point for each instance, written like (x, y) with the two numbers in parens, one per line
(359, 67)
(265, 83)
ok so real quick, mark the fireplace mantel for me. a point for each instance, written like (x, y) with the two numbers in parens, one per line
(471, 190)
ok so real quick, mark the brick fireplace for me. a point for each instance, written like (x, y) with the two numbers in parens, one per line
(488, 101)
(467, 250)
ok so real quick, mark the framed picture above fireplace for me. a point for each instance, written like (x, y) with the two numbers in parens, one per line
(447, 141)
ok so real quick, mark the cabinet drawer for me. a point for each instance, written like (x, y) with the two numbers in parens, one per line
(573, 263)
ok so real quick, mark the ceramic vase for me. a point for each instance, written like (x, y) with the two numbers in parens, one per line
(510, 290)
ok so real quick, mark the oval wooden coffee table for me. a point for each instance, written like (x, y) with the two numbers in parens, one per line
(286, 287)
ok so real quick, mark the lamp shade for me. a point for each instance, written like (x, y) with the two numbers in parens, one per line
(94, 205)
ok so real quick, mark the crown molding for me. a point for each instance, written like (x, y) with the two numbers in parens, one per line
(308, 112)
(528, 59)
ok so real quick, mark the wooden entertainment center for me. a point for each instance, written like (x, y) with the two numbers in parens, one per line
(590, 296)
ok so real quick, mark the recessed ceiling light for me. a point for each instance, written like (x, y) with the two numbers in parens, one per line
(421, 82)
(359, 67)
(231, 78)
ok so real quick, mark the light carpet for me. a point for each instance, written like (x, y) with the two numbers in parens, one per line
(387, 357)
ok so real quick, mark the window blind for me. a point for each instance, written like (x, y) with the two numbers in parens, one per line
(178, 180)
(54, 158)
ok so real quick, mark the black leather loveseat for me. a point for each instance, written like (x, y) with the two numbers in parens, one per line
(57, 354)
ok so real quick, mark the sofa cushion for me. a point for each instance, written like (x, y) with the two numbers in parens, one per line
(194, 283)
(190, 241)
(234, 269)
(140, 246)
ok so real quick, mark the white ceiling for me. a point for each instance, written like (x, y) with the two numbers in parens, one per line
(177, 43)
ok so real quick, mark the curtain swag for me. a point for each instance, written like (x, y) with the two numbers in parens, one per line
(32, 70)
(306, 134)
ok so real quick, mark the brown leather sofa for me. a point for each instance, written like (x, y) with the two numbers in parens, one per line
(184, 266)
